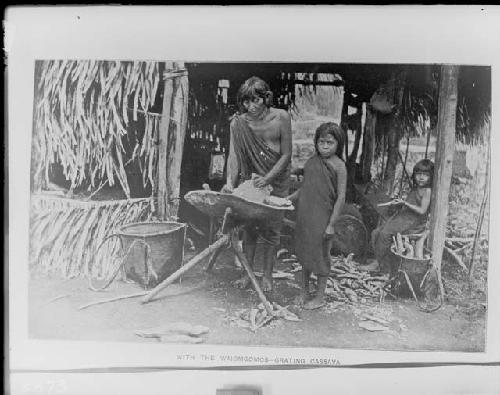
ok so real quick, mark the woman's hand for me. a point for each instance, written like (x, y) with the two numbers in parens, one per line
(260, 182)
(228, 188)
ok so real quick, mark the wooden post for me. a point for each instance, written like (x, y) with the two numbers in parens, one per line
(368, 152)
(343, 123)
(445, 147)
(176, 139)
(394, 134)
(357, 139)
(162, 147)
(392, 154)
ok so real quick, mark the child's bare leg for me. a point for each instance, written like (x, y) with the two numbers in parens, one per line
(250, 241)
(319, 300)
(267, 278)
(271, 235)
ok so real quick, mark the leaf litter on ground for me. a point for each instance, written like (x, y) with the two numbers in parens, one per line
(379, 318)
(256, 318)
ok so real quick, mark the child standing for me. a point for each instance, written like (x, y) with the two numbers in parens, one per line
(411, 216)
(319, 202)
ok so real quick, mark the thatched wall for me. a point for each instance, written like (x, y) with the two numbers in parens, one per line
(83, 113)
(65, 234)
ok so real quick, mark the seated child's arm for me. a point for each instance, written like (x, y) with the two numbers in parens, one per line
(424, 204)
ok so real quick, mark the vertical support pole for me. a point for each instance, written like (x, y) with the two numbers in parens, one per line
(176, 138)
(357, 140)
(427, 143)
(392, 138)
(368, 143)
(164, 127)
(344, 124)
(445, 147)
(394, 132)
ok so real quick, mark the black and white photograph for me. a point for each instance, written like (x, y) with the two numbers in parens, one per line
(331, 205)
(281, 199)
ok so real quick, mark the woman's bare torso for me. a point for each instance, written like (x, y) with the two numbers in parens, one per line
(268, 128)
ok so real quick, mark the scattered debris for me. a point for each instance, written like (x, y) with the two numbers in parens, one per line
(182, 328)
(279, 275)
(372, 326)
(335, 305)
(177, 332)
(190, 244)
(455, 258)
(281, 253)
(292, 285)
(371, 317)
(377, 318)
(255, 318)
(347, 283)
(181, 339)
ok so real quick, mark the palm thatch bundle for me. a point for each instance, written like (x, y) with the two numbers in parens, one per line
(65, 234)
(82, 111)
(324, 101)
(418, 105)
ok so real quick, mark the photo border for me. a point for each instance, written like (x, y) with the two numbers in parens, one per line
(395, 34)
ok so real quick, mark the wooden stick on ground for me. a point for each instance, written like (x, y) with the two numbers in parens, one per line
(464, 247)
(215, 255)
(192, 263)
(59, 297)
(478, 229)
(243, 259)
(213, 258)
(455, 257)
(113, 299)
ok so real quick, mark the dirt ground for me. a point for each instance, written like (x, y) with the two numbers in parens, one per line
(210, 299)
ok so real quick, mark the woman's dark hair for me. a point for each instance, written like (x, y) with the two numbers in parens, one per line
(331, 128)
(251, 88)
(424, 166)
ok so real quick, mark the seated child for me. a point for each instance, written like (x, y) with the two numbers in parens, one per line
(410, 217)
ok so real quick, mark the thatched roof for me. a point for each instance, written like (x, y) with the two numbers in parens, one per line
(82, 108)
(421, 85)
